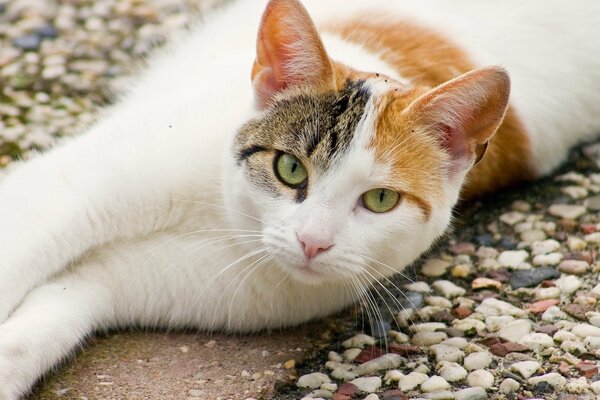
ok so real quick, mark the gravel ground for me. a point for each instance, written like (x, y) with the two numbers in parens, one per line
(505, 308)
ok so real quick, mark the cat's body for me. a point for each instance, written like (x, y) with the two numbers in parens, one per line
(149, 220)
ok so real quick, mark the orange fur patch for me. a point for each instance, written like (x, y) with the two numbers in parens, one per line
(428, 59)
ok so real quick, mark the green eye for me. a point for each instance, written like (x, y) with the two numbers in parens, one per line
(380, 200)
(290, 170)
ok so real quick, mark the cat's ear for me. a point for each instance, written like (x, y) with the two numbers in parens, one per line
(465, 112)
(289, 52)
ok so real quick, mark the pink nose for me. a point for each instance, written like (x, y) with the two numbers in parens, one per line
(314, 246)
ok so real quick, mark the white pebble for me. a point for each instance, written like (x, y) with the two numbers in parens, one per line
(492, 307)
(332, 387)
(512, 258)
(472, 393)
(434, 384)
(399, 337)
(351, 354)
(385, 362)
(568, 283)
(343, 374)
(576, 244)
(525, 368)
(595, 386)
(448, 289)
(447, 353)
(312, 381)
(333, 356)
(428, 338)
(546, 293)
(392, 376)
(512, 217)
(547, 259)
(480, 378)
(478, 360)
(372, 396)
(592, 238)
(411, 381)
(435, 267)
(320, 394)
(515, 330)
(553, 378)
(592, 343)
(553, 314)
(468, 324)
(361, 340)
(452, 372)
(438, 301)
(427, 327)
(544, 247)
(537, 341)
(422, 287)
(509, 385)
(494, 323)
(583, 330)
(458, 342)
(578, 386)
(369, 385)
(567, 211)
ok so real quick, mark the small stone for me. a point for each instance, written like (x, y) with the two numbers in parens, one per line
(587, 368)
(372, 396)
(452, 372)
(448, 289)
(435, 267)
(321, 394)
(512, 217)
(385, 362)
(525, 368)
(574, 267)
(447, 353)
(347, 389)
(575, 192)
(541, 306)
(544, 247)
(332, 387)
(351, 354)
(547, 259)
(480, 378)
(576, 244)
(532, 235)
(573, 347)
(593, 238)
(343, 373)
(369, 353)
(461, 271)
(546, 293)
(529, 278)
(434, 384)
(567, 211)
(578, 386)
(369, 385)
(472, 393)
(361, 340)
(553, 314)
(512, 258)
(411, 381)
(494, 323)
(312, 381)
(484, 283)
(438, 301)
(333, 356)
(462, 248)
(509, 385)
(584, 330)
(478, 360)
(502, 349)
(28, 42)
(392, 376)
(428, 338)
(554, 379)
(493, 307)
(537, 341)
(515, 330)
(439, 395)
(578, 311)
(468, 324)
(422, 287)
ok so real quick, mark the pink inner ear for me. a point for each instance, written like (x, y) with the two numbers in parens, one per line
(454, 141)
(288, 51)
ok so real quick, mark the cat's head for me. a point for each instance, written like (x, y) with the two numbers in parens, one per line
(351, 172)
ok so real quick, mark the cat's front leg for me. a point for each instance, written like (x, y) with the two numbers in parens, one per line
(89, 192)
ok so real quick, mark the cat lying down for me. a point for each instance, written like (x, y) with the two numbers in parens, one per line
(202, 201)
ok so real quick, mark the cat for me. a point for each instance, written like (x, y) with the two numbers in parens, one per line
(221, 194)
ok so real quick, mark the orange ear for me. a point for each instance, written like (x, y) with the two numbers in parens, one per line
(465, 113)
(289, 51)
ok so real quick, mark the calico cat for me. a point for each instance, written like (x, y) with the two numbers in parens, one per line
(201, 201)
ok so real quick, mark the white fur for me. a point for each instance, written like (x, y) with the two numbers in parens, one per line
(146, 219)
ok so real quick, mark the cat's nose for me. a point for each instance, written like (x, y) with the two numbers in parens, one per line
(313, 245)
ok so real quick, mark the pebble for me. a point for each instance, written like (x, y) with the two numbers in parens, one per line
(452, 372)
(385, 362)
(313, 381)
(532, 235)
(478, 360)
(361, 340)
(428, 338)
(485, 283)
(553, 314)
(574, 267)
(480, 378)
(438, 301)
(28, 42)
(544, 247)
(509, 385)
(434, 384)
(512, 217)
(525, 368)
(320, 394)
(411, 381)
(472, 393)
(547, 259)
(392, 376)
(546, 293)
(585, 330)
(592, 238)
(595, 386)
(578, 386)
(515, 330)
(369, 385)
(494, 323)
(537, 341)
(435, 267)
(372, 396)
(447, 353)
(512, 258)
(351, 354)
(448, 289)
(533, 277)
(421, 286)
(568, 283)
(567, 211)
(493, 307)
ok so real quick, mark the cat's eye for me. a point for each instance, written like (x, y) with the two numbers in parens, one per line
(290, 170)
(380, 200)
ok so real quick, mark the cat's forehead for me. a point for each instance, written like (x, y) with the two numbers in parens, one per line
(316, 126)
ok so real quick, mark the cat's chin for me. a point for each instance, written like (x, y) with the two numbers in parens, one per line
(310, 274)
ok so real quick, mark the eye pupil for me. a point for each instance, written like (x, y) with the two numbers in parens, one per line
(381, 196)
(294, 166)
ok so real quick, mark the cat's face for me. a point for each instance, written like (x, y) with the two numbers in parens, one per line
(352, 174)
